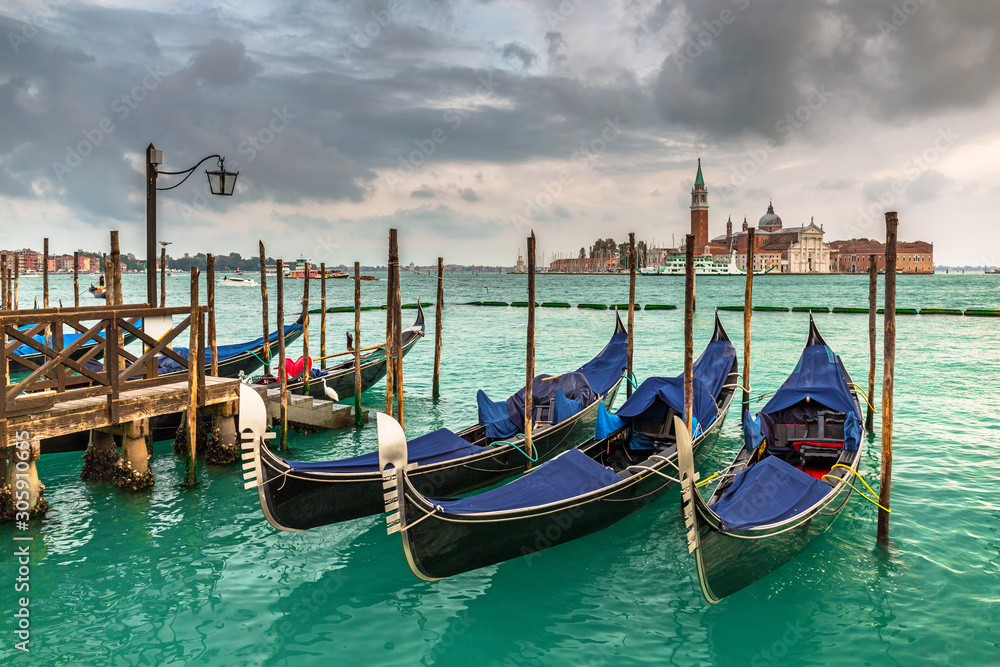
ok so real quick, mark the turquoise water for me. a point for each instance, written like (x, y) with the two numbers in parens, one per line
(197, 576)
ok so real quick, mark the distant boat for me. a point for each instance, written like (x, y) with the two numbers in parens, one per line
(989, 272)
(241, 282)
(703, 266)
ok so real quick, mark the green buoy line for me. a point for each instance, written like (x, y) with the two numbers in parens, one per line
(971, 312)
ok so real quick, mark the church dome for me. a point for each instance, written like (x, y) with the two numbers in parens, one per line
(770, 220)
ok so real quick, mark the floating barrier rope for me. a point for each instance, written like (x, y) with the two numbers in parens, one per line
(555, 304)
(592, 306)
(940, 311)
(810, 309)
(850, 310)
(659, 306)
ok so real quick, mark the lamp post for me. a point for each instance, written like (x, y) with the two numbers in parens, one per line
(220, 182)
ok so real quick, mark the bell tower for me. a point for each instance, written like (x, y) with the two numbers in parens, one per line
(699, 212)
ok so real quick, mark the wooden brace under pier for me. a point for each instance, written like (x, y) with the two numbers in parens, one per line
(61, 390)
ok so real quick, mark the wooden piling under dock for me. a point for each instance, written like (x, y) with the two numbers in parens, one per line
(631, 311)
(359, 419)
(747, 314)
(263, 298)
(872, 305)
(283, 413)
(689, 332)
(529, 412)
(438, 306)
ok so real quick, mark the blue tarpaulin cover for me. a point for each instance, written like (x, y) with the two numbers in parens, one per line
(818, 376)
(768, 492)
(570, 474)
(574, 386)
(68, 339)
(563, 408)
(710, 373)
(494, 415)
(595, 378)
(168, 365)
(439, 445)
(607, 423)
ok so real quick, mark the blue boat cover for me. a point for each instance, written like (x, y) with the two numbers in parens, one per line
(494, 415)
(817, 376)
(544, 388)
(168, 365)
(595, 378)
(607, 423)
(768, 492)
(604, 370)
(68, 339)
(710, 373)
(752, 435)
(570, 474)
(563, 408)
(434, 447)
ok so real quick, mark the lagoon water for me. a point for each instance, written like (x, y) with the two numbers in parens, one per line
(197, 576)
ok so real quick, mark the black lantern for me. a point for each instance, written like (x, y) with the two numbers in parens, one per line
(222, 182)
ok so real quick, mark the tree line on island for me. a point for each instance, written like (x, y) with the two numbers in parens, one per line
(610, 249)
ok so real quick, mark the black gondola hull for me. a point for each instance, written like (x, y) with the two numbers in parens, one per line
(303, 500)
(445, 545)
(729, 561)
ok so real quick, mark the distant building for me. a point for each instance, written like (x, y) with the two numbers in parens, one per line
(853, 256)
(584, 265)
(791, 249)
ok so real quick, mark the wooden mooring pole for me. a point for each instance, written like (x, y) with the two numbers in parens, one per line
(397, 329)
(108, 300)
(438, 306)
(888, 374)
(359, 418)
(283, 414)
(4, 284)
(631, 311)
(689, 332)
(263, 298)
(747, 312)
(306, 362)
(210, 288)
(322, 316)
(190, 463)
(17, 276)
(529, 361)
(45, 273)
(76, 279)
(390, 313)
(163, 277)
(872, 319)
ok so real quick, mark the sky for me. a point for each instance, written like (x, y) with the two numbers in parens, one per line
(467, 124)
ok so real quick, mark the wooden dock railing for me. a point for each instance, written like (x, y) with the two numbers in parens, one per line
(62, 373)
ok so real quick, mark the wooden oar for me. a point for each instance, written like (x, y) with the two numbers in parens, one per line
(340, 354)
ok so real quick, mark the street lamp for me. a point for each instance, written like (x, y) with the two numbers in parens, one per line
(220, 182)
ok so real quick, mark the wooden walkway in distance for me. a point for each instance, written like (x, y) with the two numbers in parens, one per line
(83, 414)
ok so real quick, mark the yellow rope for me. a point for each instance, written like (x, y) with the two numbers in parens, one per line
(708, 479)
(858, 475)
(863, 394)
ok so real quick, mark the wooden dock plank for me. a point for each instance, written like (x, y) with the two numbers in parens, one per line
(90, 413)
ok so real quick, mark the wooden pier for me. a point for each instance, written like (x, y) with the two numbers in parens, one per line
(68, 370)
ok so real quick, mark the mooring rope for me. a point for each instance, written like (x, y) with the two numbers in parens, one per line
(858, 475)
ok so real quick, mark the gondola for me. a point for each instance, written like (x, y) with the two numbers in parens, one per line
(301, 495)
(237, 358)
(787, 484)
(31, 355)
(630, 463)
(337, 382)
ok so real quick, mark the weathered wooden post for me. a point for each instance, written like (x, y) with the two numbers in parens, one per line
(163, 277)
(283, 408)
(76, 279)
(210, 288)
(190, 463)
(888, 374)
(872, 319)
(17, 276)
(390, 314)
(306, 364)
(108, 298)
(631, 311)
(263, 298)
(4, 284)
(322, 316)
(397, 335)
(529, 365)
(359, 418)
(747, 313)
(45, 274)
(436, 384)
(689, 333)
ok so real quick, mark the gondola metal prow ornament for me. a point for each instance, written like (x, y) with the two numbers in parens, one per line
(688, 476)
(392, 461)
(253, 429)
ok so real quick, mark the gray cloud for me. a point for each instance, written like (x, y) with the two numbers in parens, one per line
(927, 186)
(423, 192)
(514, 51)
(469, 195)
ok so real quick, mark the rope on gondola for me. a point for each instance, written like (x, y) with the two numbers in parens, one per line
(504, 442)
(865, 396)
(654, 470)
(858, 475)
(437, 508)
(632, 380)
